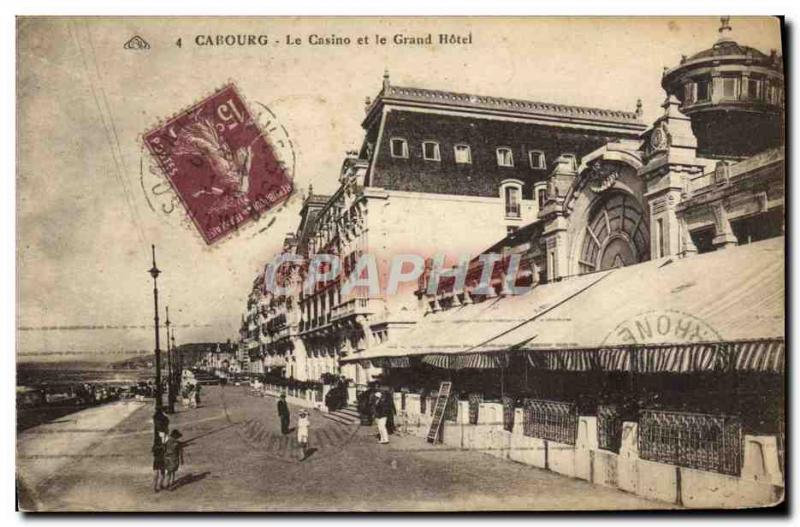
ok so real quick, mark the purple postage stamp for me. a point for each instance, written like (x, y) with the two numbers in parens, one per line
(220, 164)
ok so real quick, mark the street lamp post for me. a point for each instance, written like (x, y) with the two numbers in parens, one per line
(154, 272)
(170, 378)
(178, 368)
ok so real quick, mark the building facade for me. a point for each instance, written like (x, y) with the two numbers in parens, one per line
(438, 173)
(649, 354)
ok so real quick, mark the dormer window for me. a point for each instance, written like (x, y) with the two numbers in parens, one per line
(505, 158)
(571, 160)
(399, 147)
(537, 159)
(463, 154)
(430, 151)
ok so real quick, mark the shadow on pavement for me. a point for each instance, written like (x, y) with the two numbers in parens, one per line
(220, 429)
(309, 452)
(188, 479)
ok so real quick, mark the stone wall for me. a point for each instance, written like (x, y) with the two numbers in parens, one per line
(760, 483)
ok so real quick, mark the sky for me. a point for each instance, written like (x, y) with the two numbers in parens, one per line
(90, 201)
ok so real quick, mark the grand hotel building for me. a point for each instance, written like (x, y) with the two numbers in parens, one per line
(438, 172)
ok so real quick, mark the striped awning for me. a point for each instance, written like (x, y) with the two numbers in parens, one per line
(471, 360)
(762, 355)
(719, 311)
(387, 362)
(766, 356)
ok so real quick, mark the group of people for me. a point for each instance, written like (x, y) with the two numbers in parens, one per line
(167, 452)
(190, 390)
(376, 405)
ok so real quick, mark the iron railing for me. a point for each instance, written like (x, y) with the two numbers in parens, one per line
(609, 427)
(702, 441)
(508, 413)
(451, 410)
(551, 420)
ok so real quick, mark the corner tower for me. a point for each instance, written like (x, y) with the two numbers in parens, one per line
(734, 96)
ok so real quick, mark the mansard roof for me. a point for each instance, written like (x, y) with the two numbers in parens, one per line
(485, 103)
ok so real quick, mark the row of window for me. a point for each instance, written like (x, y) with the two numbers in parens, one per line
(733, 87)
(463, 154)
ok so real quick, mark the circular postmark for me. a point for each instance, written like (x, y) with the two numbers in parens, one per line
(164, 199)
(662, 326)
(669, 340)
(327, 436)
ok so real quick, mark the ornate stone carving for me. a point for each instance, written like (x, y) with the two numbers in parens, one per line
(602, 177)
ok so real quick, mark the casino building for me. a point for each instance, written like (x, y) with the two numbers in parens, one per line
(648, 351)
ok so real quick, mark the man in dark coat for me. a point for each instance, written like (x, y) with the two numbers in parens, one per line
(283, 413)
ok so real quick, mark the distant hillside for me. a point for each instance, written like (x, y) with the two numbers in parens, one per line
(191, 353)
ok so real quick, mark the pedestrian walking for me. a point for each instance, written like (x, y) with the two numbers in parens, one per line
(173, 456)
(159, 465)
(303, 424)
(381, 412)
(283, 413)
(161, 425)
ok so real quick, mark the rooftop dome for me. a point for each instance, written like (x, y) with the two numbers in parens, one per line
(733, 94)
(729, 47)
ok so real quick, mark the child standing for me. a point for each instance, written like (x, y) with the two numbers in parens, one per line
(173, 456)
(158, 465)
(302, 433)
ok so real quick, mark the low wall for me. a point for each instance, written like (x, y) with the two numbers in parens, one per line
(760, 483)
(306, 400)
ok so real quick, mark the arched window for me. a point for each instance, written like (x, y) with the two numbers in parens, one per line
(616, 234)
(512, 198)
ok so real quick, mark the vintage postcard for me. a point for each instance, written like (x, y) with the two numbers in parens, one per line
(400, 264)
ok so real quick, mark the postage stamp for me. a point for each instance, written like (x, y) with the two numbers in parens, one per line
(219, 163)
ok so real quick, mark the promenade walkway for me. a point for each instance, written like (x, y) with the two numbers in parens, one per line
(236, 459)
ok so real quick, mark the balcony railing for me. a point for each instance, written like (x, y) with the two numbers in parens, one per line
(354, 306)
(701, 441)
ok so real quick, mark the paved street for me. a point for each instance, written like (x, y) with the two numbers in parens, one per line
(236, 459)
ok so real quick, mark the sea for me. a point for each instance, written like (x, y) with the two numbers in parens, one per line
(39, 376)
